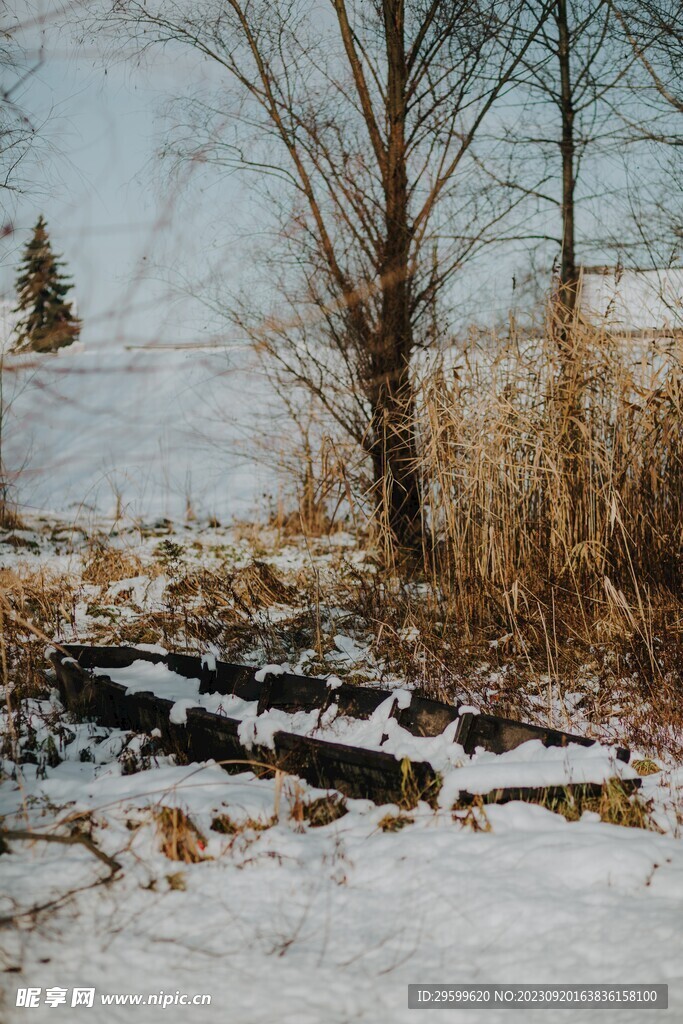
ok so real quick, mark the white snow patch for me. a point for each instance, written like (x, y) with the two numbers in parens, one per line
(209, 661)
(531, 764)
(269, 670)
(178, 713)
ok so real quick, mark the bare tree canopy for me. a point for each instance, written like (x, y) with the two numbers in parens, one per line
(18, 131)
(362, 116)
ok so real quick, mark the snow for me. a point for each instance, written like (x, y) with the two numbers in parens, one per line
(283, 921)
(634, 300)
(269, 670)
(148, 677)
(148, 431)
(349, 649)
(9, 320)
(302, 925)
(209, 661)
(532, 764)
(178, 713)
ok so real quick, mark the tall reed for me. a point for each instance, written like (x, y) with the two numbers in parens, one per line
(544, 478)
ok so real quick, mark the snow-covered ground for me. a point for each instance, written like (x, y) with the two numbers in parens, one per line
(147, 431)
(288, 922)
(278, 918)
(633, 300)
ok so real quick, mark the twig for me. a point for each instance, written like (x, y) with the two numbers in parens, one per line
(77, 839)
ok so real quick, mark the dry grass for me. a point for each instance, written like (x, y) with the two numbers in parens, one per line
(47, 601)
(109, 565)
(179, 837)
(543, 492)
(616, 804)
(553, 512)
(9, 517)
(223, 824)
(645, 767)
(394, 822)
(257, 586)
(324, 810)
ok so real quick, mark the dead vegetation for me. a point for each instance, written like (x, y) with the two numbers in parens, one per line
(179, 838)
(108, 565)
(616, 803)
(324, 810)
(34, 605)
(394, 822)
(224, 825)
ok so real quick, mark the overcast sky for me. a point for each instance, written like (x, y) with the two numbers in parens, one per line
(130, 239)
(101, 189)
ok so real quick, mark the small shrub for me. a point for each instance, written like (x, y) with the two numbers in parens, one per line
(177, 881)
(108, 565)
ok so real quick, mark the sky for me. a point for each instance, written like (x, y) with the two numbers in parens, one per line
(130, 239)
(123, 231)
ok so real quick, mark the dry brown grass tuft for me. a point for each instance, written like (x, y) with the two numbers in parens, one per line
(44, 601)
(44, 597)
(224, 824)
(9, 517)
(179, 837)
(616, 804)
(109, 565)
(394, 822)
(645, 767)
(257, 586)
(324, 810)
(545, 491)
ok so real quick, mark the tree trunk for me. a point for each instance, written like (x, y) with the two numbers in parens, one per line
(393, 401)
(568, 286)
(568, 337)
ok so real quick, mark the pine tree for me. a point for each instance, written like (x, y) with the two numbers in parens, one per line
(49, 321)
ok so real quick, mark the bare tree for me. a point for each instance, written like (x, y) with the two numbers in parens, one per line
(575, 73)
(358, 118)
(18, 130)
(653, 32)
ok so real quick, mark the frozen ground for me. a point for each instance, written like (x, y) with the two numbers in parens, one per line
(274, 917)
(302, 924)
(147, 430)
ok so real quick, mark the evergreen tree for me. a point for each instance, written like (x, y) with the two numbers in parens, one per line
(49, 321)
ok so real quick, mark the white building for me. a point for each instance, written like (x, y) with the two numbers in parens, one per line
(641, 303)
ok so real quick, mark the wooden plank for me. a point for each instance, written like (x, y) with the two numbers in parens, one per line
(110, 657)
(290, 692)
(502, 734)
(425, 717)
(542, 794)
(354, 771)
